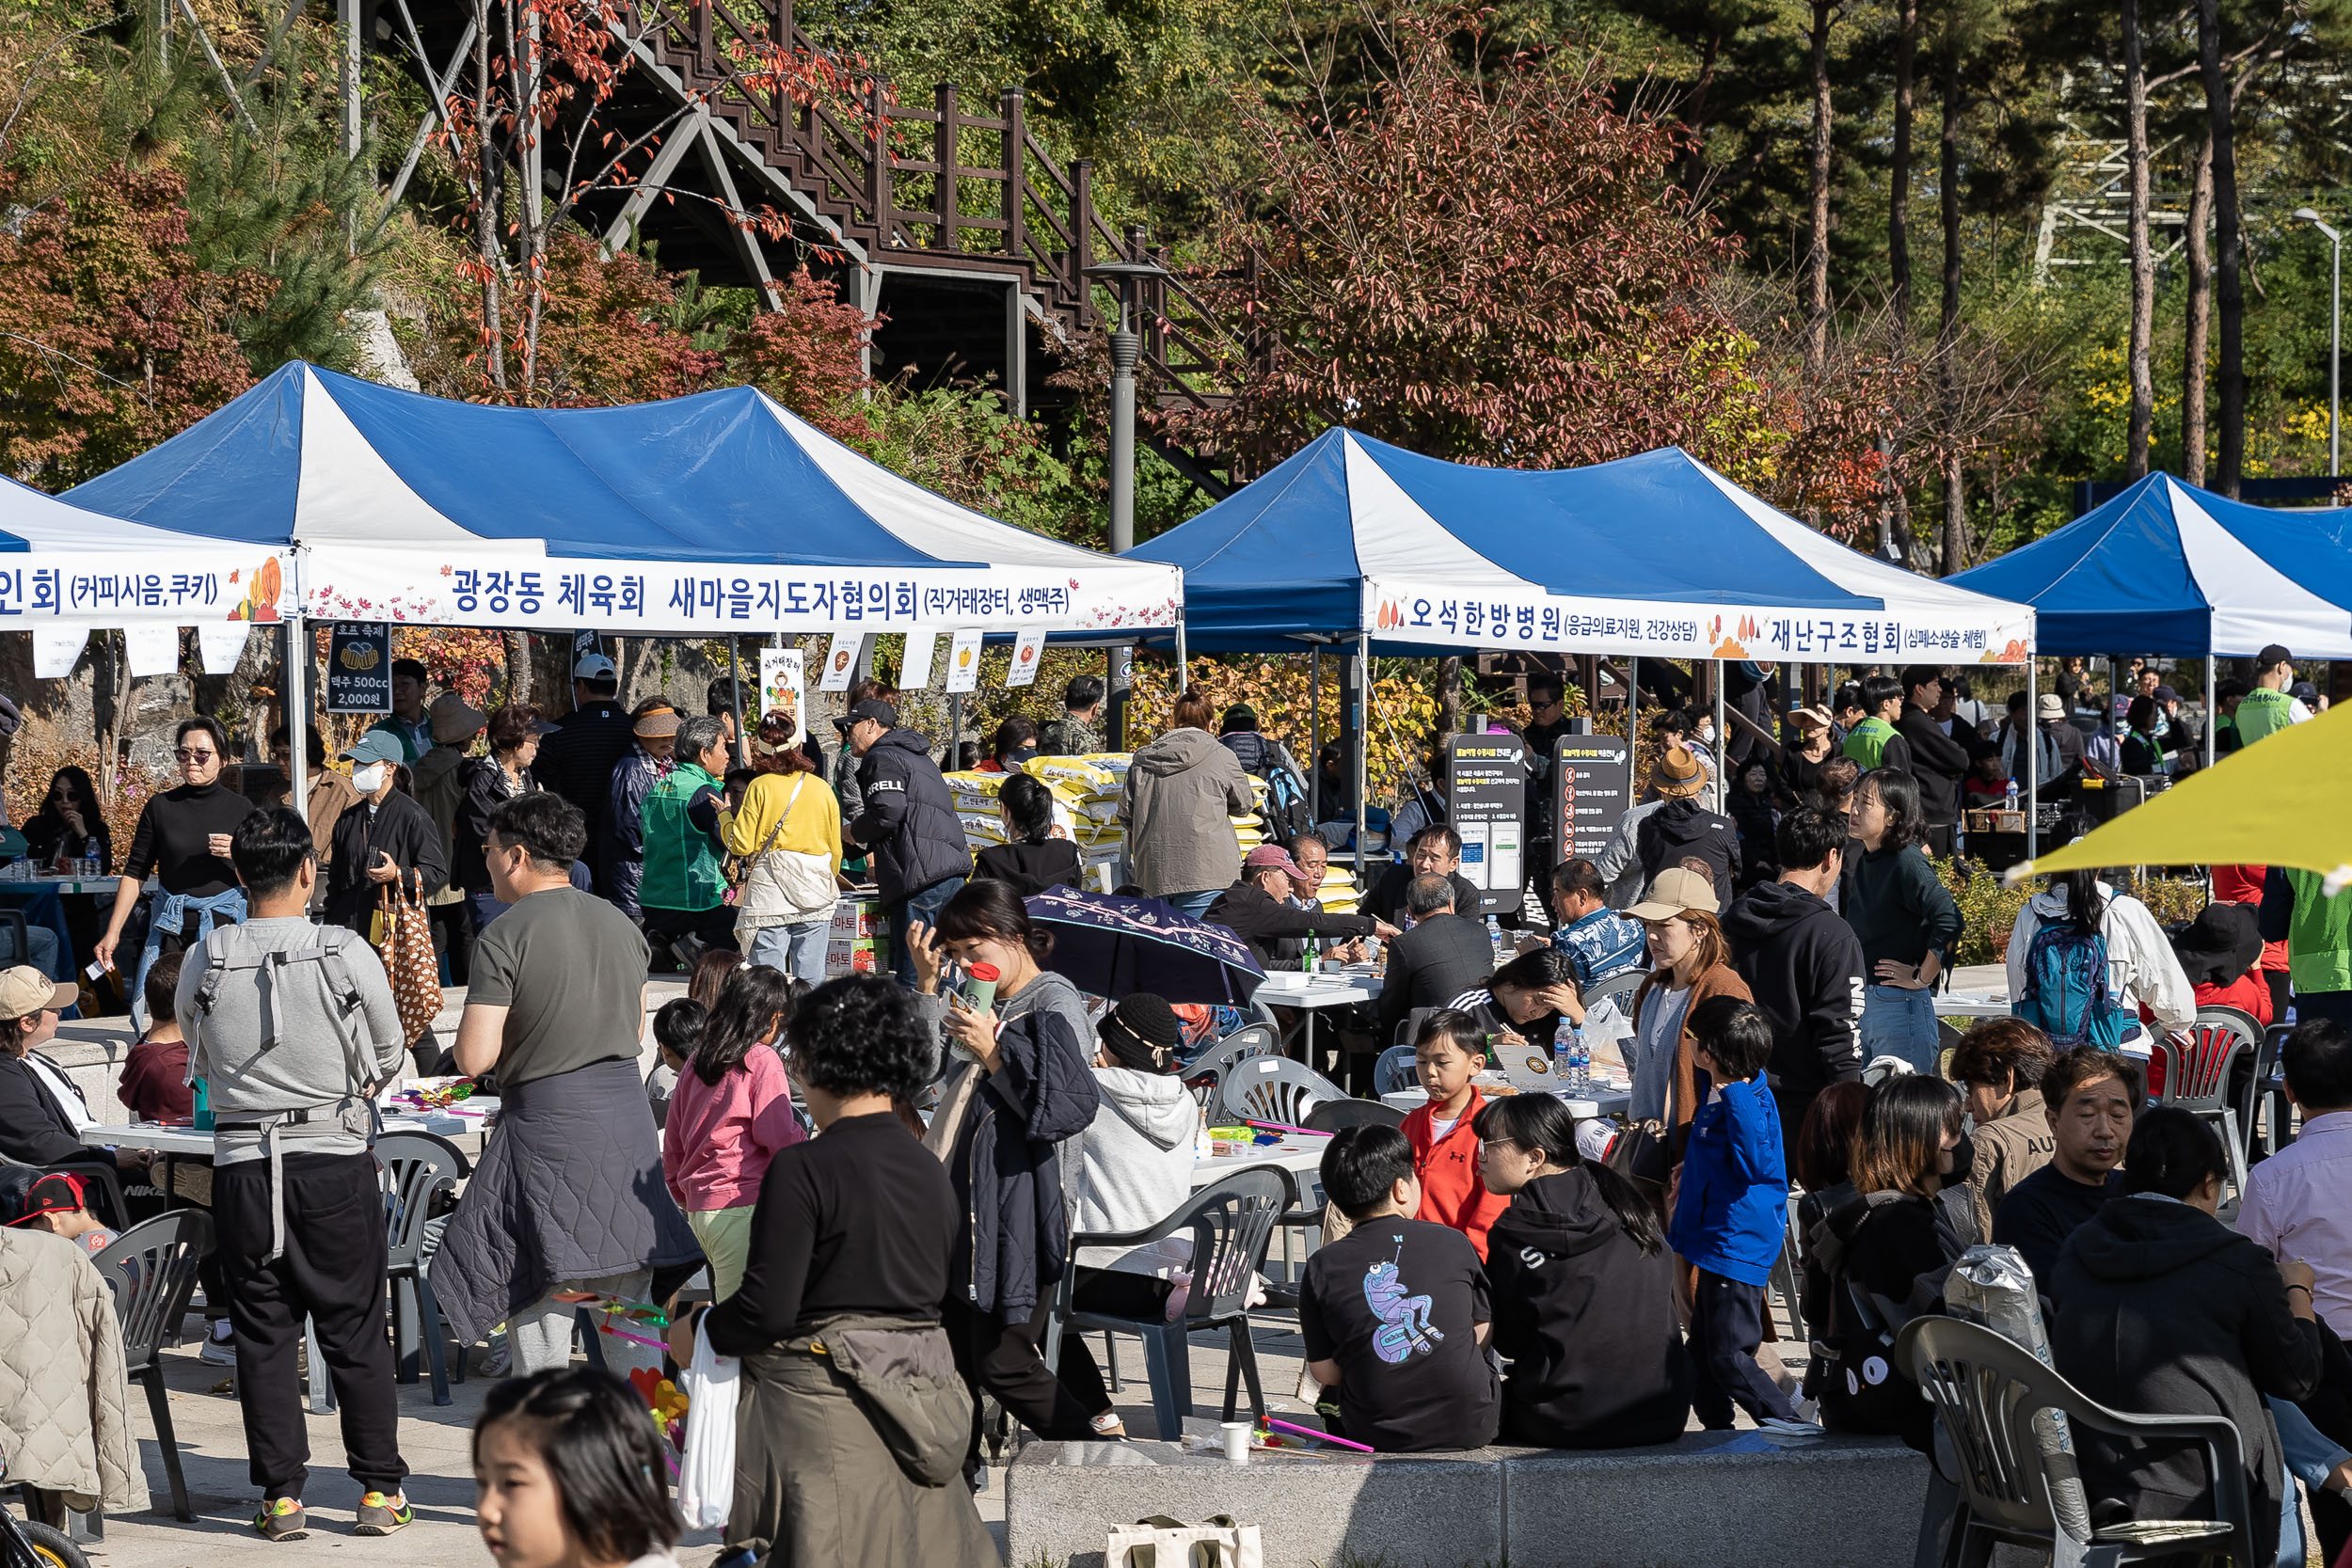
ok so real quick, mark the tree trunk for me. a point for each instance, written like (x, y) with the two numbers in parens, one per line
(2143, 411)
(1947, 331)
(2195, 344)
(1694, 111)
(2229, 248)
(1898, 173)
(486, 223)
(519, 669)
(1816, 258)
(1449, 694)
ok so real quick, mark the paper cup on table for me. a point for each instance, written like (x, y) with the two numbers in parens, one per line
(1236, 1441)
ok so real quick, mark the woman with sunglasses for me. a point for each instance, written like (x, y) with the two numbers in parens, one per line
(182, 840)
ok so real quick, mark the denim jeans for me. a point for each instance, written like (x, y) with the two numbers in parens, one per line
(1194, 904)
(1898, 1021)
(924, 905)
(798, 949)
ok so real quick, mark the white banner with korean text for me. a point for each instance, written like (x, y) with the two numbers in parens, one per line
(457, 585)
(1511, 617)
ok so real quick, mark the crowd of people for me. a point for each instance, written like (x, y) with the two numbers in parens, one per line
(882, 1173)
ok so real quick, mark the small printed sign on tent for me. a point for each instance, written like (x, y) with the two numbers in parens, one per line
(360, 667)
(1028, 651)
(963, 660)
(840, 660)
(782, 685)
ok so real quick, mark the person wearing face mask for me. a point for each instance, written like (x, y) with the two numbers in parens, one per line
(1021, 1089)
(1889, 1248)
(385, 839)
(183, 841)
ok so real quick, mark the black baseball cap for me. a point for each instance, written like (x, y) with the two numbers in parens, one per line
(2272, 656)
(874, 708)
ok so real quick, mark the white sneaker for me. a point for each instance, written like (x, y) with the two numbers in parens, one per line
(221, 1346)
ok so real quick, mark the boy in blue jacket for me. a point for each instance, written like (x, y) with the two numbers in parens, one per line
(1731, 1212)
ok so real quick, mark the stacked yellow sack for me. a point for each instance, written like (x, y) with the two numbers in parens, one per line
(975, 791)
(1339, 893)
(1089, 789)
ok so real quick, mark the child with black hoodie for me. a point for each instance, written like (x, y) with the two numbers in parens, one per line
(1584, 1290)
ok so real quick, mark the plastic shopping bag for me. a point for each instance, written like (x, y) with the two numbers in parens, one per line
(1160, 1542)
(705, 1480)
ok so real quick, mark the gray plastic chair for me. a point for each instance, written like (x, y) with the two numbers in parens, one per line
(1329, 1115)
(1394, 1071)
(1232, 1222)
(1216, 1064)
(150, 1268)
(1616, 988)
(417, 1166)
(1275, 1089)
(1987, 1389)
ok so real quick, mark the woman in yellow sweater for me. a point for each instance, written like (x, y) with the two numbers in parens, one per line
(789, 829)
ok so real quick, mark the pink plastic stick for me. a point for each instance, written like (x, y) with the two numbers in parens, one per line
(1286, 1127)
(1318, 1437)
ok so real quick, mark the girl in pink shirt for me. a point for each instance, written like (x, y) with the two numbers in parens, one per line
(730, 1112)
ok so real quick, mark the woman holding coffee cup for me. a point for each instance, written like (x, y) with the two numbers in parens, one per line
(182, 840)
(1021, 1087)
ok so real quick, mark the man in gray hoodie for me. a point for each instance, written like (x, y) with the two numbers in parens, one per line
(293, 1028)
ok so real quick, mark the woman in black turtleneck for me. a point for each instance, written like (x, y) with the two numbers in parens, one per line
(183, 839)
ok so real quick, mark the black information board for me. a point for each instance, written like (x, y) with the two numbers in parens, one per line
(360, 667)
(1591, 789)
(1486, 803)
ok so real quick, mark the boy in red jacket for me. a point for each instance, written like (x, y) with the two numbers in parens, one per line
(1447, 1056)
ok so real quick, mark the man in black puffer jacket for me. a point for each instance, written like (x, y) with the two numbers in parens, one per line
(909, 827)
(1937, 761)
(1804, 965)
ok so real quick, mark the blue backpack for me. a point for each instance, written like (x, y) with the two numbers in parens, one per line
(2066, 988)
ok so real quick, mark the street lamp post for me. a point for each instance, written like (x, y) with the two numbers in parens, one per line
(2335, 337)
(1126, 351)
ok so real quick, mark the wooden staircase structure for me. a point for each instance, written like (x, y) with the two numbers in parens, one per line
(958, 226)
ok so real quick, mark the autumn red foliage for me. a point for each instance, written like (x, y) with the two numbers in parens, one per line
(1486, 258)
(112, 338)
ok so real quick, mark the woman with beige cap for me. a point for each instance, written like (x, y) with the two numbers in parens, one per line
(41, 1114)
(1686, 941)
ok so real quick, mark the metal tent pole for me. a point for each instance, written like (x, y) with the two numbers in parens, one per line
(1632, 728)
(2033, 759)
(1184, 661)
(1363, 701)
(296, 667)
(1315, 735)
(735, 690)
(2212, 706)
(1723, 744)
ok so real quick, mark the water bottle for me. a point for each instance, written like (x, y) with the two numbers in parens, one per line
(2011, 804)
(90, 868)
(1494, 938)
(1582, 1082)
(1562, 1062)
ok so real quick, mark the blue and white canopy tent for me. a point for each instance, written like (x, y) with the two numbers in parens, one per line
(1657, 555)
(701, 515)
(710, 516)
(2167, 568)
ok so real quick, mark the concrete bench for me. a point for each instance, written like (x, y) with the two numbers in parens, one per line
(1708, 1500)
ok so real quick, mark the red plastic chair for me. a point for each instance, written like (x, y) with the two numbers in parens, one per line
(2197, 1075)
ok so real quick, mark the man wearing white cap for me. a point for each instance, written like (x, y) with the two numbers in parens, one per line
(577, 758)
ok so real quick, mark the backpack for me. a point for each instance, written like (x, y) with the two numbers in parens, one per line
(1860, 1381)
(1284, 815)
(351, 1018)
(2066, 988)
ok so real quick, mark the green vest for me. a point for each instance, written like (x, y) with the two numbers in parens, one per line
(2319, 937)
(682, 865)
(2261, 712)
(1867, 742)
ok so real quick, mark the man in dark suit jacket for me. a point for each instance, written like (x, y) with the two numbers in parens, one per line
(1440, 957)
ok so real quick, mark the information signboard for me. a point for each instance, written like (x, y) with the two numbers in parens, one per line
(1486, 803)
(360, 667)
(1593, 788)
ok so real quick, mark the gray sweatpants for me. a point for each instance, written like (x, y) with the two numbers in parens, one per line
(541, 1333)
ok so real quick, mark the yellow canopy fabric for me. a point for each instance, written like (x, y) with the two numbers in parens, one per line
(2284, 801)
